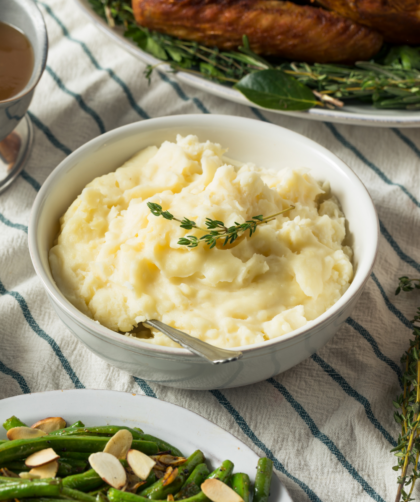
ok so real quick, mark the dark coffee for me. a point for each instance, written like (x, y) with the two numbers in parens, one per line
(16, 61)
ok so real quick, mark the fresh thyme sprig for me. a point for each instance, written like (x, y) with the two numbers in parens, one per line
(408, 449)
(218, 230)
(391, 80)
(407, 284)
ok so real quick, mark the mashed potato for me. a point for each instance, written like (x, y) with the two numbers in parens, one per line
(121, 265)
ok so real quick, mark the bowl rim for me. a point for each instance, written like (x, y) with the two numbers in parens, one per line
(170, 122)
(39, 22)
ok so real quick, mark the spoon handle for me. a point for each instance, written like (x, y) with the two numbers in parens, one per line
(210, 353)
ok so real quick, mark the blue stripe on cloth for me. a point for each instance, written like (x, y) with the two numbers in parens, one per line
(138, 109)
(372, 342)
(325, 440)
(78, 98)
(246, 429)
(41, 333)
(259, 115)
(50, 136)
(407, 141)
(18, 226)
(403, 256)
(144, 387)
(17, 376)
(398, 314)
(32, 181)
(339, 137)
(330, 371)
(181, 94)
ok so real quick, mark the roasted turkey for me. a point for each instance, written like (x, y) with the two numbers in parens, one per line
(276, 28)
(397, 20)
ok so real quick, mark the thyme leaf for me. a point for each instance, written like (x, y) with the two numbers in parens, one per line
(216, 229)
(407, 450)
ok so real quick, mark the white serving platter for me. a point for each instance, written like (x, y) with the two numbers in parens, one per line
(352, 115)
(182, 428)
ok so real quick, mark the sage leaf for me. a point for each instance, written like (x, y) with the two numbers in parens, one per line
(276, 90)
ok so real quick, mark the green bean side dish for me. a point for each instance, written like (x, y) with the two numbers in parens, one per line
(88, 464)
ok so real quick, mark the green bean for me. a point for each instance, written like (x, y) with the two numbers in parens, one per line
(163, 445)
(5, 479)
(151, 478)
(36, 488)
(101, 497)
(263, 480)
(241, 484)
(104, 430)
(79, 423)
(77, 495)
(159, 491)
(222, 473)
(76, 455)
(85, 482)
(17, 465)
(44, 499)
(76, 464)
(115, 495)
(99, 490)
(22, 448)
(13, 422)
(64, 469)
(192, 485)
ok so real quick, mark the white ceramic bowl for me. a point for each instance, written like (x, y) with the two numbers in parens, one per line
(248, 140)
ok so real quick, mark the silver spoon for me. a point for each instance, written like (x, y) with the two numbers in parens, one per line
(210, 353)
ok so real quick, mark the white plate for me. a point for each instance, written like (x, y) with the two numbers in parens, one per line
(353, 115)
(182, 428)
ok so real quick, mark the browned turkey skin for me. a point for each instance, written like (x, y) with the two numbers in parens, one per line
(397, 20)
(283, 29)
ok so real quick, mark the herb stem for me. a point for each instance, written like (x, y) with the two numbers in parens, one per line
(216, 229)
(408, 448)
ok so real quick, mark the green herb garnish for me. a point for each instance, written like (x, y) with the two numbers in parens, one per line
(408, 449)
(218, 230)
(390, 80)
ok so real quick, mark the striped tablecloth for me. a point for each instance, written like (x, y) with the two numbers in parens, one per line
(327, 423)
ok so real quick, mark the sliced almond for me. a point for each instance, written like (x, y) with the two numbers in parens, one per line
(217, 491)
(46, 471)
(158, 474)
(169, 459)
(109, 468)
(50, 424)
(24, 433)
(28, 475)
(141, 464)
(169, 476)
(119, 444)
(41, 457)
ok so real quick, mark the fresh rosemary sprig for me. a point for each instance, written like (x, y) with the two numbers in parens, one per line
(391, 80)
(218, 230)
(408, 449)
